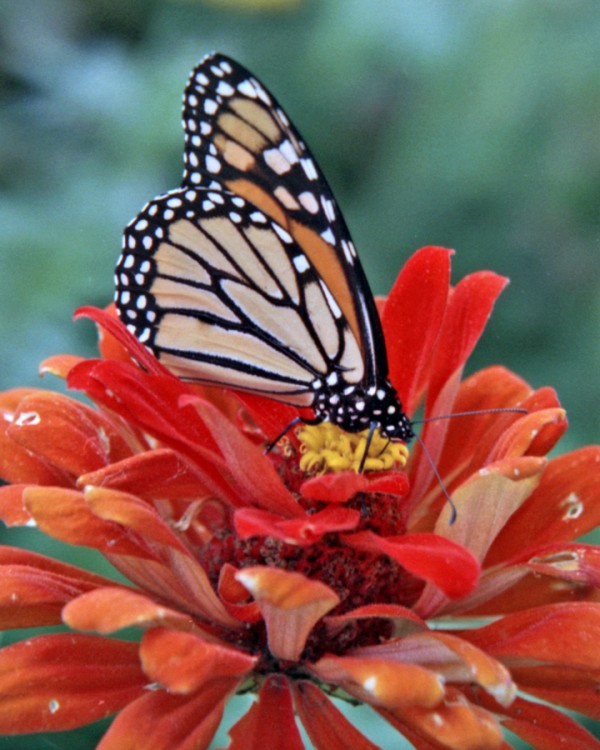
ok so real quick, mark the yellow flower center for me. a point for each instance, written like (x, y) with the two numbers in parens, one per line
(326, 448)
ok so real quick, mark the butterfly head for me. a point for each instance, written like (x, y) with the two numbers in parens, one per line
(356, 407)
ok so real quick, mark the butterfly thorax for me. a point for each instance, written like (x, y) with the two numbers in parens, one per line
(355, 408)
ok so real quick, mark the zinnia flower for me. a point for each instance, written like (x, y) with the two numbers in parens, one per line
(289, 575)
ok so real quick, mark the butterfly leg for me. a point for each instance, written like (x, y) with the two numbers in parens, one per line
(290, 426)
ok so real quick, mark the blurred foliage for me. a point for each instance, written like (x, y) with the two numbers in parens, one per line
(469, 124)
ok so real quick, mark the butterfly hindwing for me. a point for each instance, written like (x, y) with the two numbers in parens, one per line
(223, 294)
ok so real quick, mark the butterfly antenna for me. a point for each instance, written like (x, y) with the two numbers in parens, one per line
(453, 513)
(499, 410)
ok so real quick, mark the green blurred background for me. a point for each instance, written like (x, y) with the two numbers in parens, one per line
(470, 124)
(473, 124)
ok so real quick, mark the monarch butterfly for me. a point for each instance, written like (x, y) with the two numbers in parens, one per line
(246, 275)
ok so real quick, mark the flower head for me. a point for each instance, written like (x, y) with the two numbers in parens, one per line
(288, 573)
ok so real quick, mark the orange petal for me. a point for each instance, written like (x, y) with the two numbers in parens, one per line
(291, 605)
(483, 505)
(59, 365)
(12, 508)
(64, 514)
(455, 724)
(112, 608)
(184, 662)
(156, 473)
(531, 434)
(380, 681)
(453, 659)
(133, 514)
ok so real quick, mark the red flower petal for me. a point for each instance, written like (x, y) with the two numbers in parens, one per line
(448, 565)
(67, 680)
(66, 434)
(468, 310)
(543, 727)
(411, 320)
(156, 473)
(540, 633)
(160, 721)
(310, 529)
(110, 323)
(327, 727)
(184, 663)
(339, 488)
(34, 588)
(270, 722)
(290, 604)
(252, 471)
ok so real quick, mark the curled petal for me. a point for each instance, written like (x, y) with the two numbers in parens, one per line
(290, 604)
(381, 682)
(339, 488)
(65, 515)
(63, 681)
(155, 473)
(112, 608)
(310, 529)
(184, 663)
(455, 724)
(133, 514)
(532, 434)
(454, 659)
(448, 565)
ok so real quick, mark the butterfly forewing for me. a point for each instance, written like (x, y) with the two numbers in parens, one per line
(239, 138)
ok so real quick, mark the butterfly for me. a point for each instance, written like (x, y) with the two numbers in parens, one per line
(246, 276)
